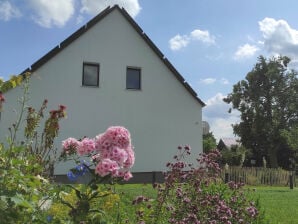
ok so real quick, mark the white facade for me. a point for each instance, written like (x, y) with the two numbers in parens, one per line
(165, 113)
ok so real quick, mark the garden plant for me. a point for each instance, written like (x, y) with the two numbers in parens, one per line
(26, 166)
(196, 194)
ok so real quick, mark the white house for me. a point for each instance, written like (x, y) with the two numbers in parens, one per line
(110, 73)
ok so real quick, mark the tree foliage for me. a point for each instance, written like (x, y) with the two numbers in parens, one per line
(267, 101)
(209, 142)
(13, 82)
(291, 137)
(233, 156)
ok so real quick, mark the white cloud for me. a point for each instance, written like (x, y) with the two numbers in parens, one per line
(53, 12)
(224, 81)
(203, 36)
(179, 41)
(8, 11)
(216, 114)
(215, 106)
(245, 51)
(208, 81)
(93, 7)
(222, 127)
(279, 37)
(80, 19)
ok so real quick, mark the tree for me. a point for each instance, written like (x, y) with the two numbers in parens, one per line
(233, 156)
(209, 142)
(291, 137)
(267, 101)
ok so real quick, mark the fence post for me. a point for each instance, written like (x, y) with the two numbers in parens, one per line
(227, 173)
(291, 180)
(292, 168)
(153, 178)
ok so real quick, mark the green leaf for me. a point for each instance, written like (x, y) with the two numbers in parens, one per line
(13, 83)
(20, 201)
(3, 203)
(78, 193)
(67, 204)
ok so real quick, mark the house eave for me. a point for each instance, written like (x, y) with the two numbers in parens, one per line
(138, 29)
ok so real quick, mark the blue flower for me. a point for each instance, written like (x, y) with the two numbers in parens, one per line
(80, 170)
(49, 218)
(71, 176)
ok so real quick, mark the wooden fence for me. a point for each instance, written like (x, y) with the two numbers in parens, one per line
(257, 176)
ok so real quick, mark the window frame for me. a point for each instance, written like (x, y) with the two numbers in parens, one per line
(94, 64)
(140, 77)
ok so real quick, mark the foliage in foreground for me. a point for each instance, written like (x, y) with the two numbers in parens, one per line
(111, 156)
(25, 167)
(195, 194)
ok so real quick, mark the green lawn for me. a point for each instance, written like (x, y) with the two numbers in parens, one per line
(280, 204)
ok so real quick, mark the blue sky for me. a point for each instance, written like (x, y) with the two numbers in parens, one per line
(212, 43)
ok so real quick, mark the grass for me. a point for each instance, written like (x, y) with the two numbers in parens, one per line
(279, 203)
(128, 192)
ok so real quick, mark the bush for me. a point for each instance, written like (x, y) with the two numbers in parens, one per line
(111, 156)
(195, 194)
(234, 156)
(26, 166)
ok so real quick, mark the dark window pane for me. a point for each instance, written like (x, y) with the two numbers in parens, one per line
(90, 74)
(133, 78)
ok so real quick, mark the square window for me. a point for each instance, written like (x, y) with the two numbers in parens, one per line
(90, 74)
(133, 78)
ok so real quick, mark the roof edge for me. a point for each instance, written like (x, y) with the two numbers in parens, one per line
(160, 55)
(139, 30)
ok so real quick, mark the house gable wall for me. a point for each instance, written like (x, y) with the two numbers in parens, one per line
(160, 116)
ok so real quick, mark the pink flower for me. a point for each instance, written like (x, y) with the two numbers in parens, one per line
(111, 152)
(252, 211)
(102, 142)
(95, 157)
(105, 167)
(86, 146)
(70, 144)
(127, 176)
(119, 155)
(130, 159)
(114, 136)
(2, 99)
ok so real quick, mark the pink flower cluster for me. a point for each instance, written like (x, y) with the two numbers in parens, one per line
(111, 151)
(2, 99)
(69, 145)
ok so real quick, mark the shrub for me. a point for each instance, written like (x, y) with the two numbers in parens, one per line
(195, 194)
(111, 157)
(26, 165)
(234, 156)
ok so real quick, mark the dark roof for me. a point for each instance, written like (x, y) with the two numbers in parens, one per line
(228, 143)
(94, 21)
